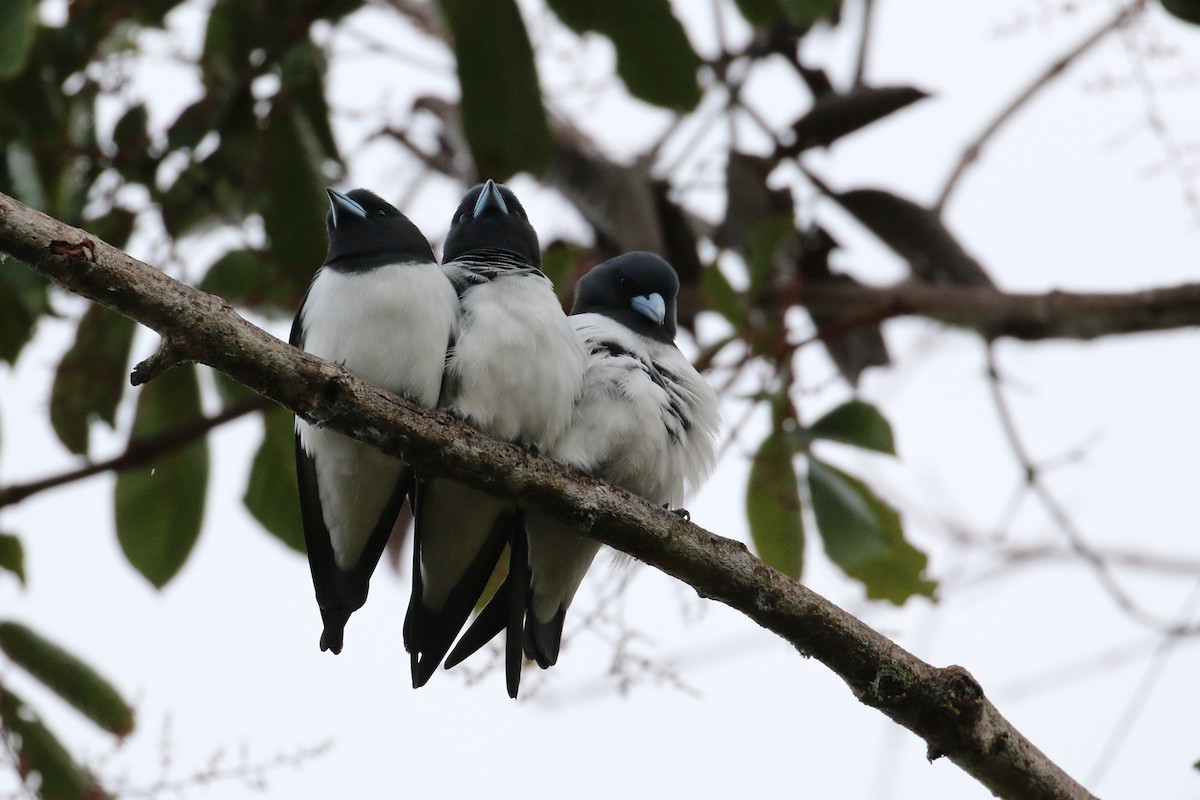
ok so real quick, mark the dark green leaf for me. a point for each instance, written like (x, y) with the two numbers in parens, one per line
(23, 300)
(271, 496)
(561, 264)
(857, 423)
(654, 57)
(187, 206)
(193, 123)
(160, 505)
(721, 297)
(769, 242)
(759, 13)
(12, 556)
(91, 376)
(69, 678)
(228, 40)
(852, 347)
(132, 156)
(114, 227)
(302, 71)
(503, 116)
(295, 204)
(1188, 10)
(18, 21)
(773, 506)
(247, 278)
(804, 13)
(38, 751)
(917, 235)
(749, 202)
(232, 393)
(833, 115)
(863, 535)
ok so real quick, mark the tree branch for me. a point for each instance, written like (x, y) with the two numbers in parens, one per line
(946, 707)
(137, 453)
(993, 313)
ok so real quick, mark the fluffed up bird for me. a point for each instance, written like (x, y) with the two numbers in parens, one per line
(381, 306)
(514, 372)
(646, 421)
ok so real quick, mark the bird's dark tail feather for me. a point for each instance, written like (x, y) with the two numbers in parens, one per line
(542, 639)
(518, 600)
(335, 629)
(429, 634)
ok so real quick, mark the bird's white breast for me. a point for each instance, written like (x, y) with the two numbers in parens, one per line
(391, 327)
(517, 365)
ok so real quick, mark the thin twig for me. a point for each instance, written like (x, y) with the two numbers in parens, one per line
(971, 152)
(864, 41)
(137, 453)
(1062, 519)
(1140, 696)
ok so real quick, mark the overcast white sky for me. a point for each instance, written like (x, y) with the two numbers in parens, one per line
(1072, 195)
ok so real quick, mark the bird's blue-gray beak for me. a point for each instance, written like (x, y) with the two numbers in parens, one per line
(489, 198)
(341, 204)
(651, 305)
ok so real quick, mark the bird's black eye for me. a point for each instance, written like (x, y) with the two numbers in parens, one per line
(624, 283)
(381, 213)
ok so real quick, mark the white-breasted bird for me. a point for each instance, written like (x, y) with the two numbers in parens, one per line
(646, 420)
(382, 306)
(515, 372)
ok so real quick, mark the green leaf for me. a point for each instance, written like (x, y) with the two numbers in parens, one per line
(69, 678)
(834, 115)
(228, 40)
(863, 535)
(160, 505)
(721, 297)
(654, 57)
(856, 423)
(804, 13)
(12, 556)
(247, 278)
(271, 495)
(767, 240)
(561, 264)
(114, 227)
(917, 235)
(302, 73)
(18, 21)
(23, 301)
(1187, 10)
(295, 206)
(759, 13)
(133, 157)
(773, 506)
(503, 117)
(37, 750)
(91, 376)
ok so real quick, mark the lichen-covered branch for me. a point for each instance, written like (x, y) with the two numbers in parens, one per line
(945, 706)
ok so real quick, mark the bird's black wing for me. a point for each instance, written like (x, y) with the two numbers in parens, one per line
(429, 634)
(340, 592)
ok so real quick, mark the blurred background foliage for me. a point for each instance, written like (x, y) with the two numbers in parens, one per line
(258, 146)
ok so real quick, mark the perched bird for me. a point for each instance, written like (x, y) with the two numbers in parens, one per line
(381, 306)
(514, 372)
(646, 421)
